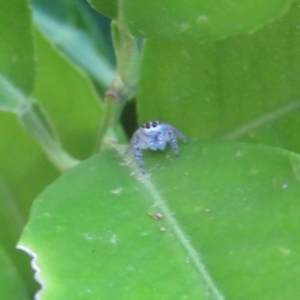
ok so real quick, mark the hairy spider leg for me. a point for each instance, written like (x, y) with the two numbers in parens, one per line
(180, 134)
(138, 153)
(172, 139)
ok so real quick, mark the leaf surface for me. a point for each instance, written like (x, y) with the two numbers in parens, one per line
(24, 172)
(199, 20)
(220, 221)
(18, 182)
(16, 58)
(241, 88)
(24, 169)
(91, 52)
(75, 112)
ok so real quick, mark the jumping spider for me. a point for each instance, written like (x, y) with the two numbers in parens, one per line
(154, 135)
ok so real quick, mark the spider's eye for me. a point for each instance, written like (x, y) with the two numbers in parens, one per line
(148, 125)
(154, 124)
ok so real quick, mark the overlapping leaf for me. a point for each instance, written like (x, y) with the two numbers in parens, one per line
(199, 20)
(245, 87)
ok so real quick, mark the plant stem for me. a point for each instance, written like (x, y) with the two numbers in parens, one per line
(34, 119)
(124, 83)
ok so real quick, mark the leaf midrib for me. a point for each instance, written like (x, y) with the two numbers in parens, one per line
(179, 234)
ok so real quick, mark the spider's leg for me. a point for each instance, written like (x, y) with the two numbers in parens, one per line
(138, 154)
(173, 141)
(180, 134)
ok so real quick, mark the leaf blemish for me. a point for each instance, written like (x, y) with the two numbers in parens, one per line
(89, 237)
(284, 186)
(184, 26)
(202, 19)
(238, 153)
(156, 216)
(254, 171)
(285, 251)
(141, 32)
(130, 268)
(117, 191)
(114, 239)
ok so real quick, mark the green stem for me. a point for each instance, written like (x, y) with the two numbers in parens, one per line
(35, 120)
(124, 83)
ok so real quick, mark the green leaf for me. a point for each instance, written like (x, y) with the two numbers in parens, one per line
(78, 45)
(199, 20)
(16, 46)
(245, 87)
(20, 167)
(228, 228)
(35, 120)
(24, 173)
(69, 97)
(108, 8)
(11, 98)
(14, 91)
(11, 286)
(16, 58)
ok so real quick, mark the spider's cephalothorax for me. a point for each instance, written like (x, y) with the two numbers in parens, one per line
(154, 135)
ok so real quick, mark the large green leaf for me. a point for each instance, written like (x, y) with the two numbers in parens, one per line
(220, 221)
(24, 170)
(245, 87)
(199, 20)
(18, 173)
